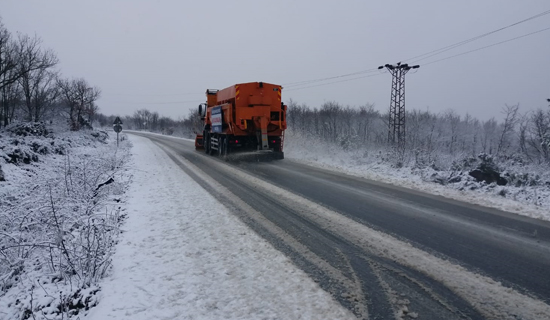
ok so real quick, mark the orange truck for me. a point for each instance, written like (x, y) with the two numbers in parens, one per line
(243, 117)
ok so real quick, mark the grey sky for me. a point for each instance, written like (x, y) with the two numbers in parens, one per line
(162, 55)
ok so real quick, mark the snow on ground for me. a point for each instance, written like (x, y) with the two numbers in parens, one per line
(182, 255)
(58, 218)
(488, 296)
(531, 201)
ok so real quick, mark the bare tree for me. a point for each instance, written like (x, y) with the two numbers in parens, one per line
(79, 98)
(8, 74)
(8, 57)
(38, 82)
(473, 132)
(91, 111)
(367, 114)
(191, 125)
(12, 100)
(510, 122)
(539, 134)
(142, 119)
(154, 121)
(489, 128)
(24, 65)
(522, 135)
(167, 125)
(452, 120)
(293, 114)
(329, 114)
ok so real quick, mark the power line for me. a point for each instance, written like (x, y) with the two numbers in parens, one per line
(491, 45)
(428, 63)
(452, 46)
(153, 95)
(298, 85)
(325, 84)
(155, 103)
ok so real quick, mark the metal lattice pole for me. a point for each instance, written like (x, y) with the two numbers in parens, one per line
(396, 121)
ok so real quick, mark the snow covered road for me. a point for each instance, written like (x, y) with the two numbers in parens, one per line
(184, 256)
(375, 251)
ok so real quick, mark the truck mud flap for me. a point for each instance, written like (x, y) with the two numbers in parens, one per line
(255, 156)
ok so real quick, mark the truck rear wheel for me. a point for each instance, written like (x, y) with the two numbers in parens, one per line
(220, 146)
(206, 141)
(210, 150)
(225, 146)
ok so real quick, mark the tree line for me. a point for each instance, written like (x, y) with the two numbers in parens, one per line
(430, 136)
(32, 89)
(144, 119)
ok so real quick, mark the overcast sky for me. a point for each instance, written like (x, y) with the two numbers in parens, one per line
(163, 55)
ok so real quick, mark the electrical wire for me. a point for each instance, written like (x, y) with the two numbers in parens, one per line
(324, 84)
(299, 85)
(156, 103)
(455, 45)
(491, 45)
(154, 95)
(305, 84)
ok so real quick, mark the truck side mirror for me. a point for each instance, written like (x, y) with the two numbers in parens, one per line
(202, 110)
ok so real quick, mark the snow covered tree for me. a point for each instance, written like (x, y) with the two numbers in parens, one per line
(538, 135)
(510, 122)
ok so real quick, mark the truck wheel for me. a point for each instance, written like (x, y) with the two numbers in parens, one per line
(225, 146)
(206, 141)
(210, 150)
(220, 146)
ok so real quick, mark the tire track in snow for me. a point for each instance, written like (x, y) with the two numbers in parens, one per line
(351, 294)
(487, 295)
(181, 260)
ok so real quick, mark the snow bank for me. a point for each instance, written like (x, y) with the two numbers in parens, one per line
(59, 219)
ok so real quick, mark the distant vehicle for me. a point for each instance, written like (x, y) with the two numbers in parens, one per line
(243, 117)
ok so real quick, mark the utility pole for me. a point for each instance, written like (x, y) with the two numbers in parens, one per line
(396, 123)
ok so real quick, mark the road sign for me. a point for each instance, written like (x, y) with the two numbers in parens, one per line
(118, 121)
(117, 127)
